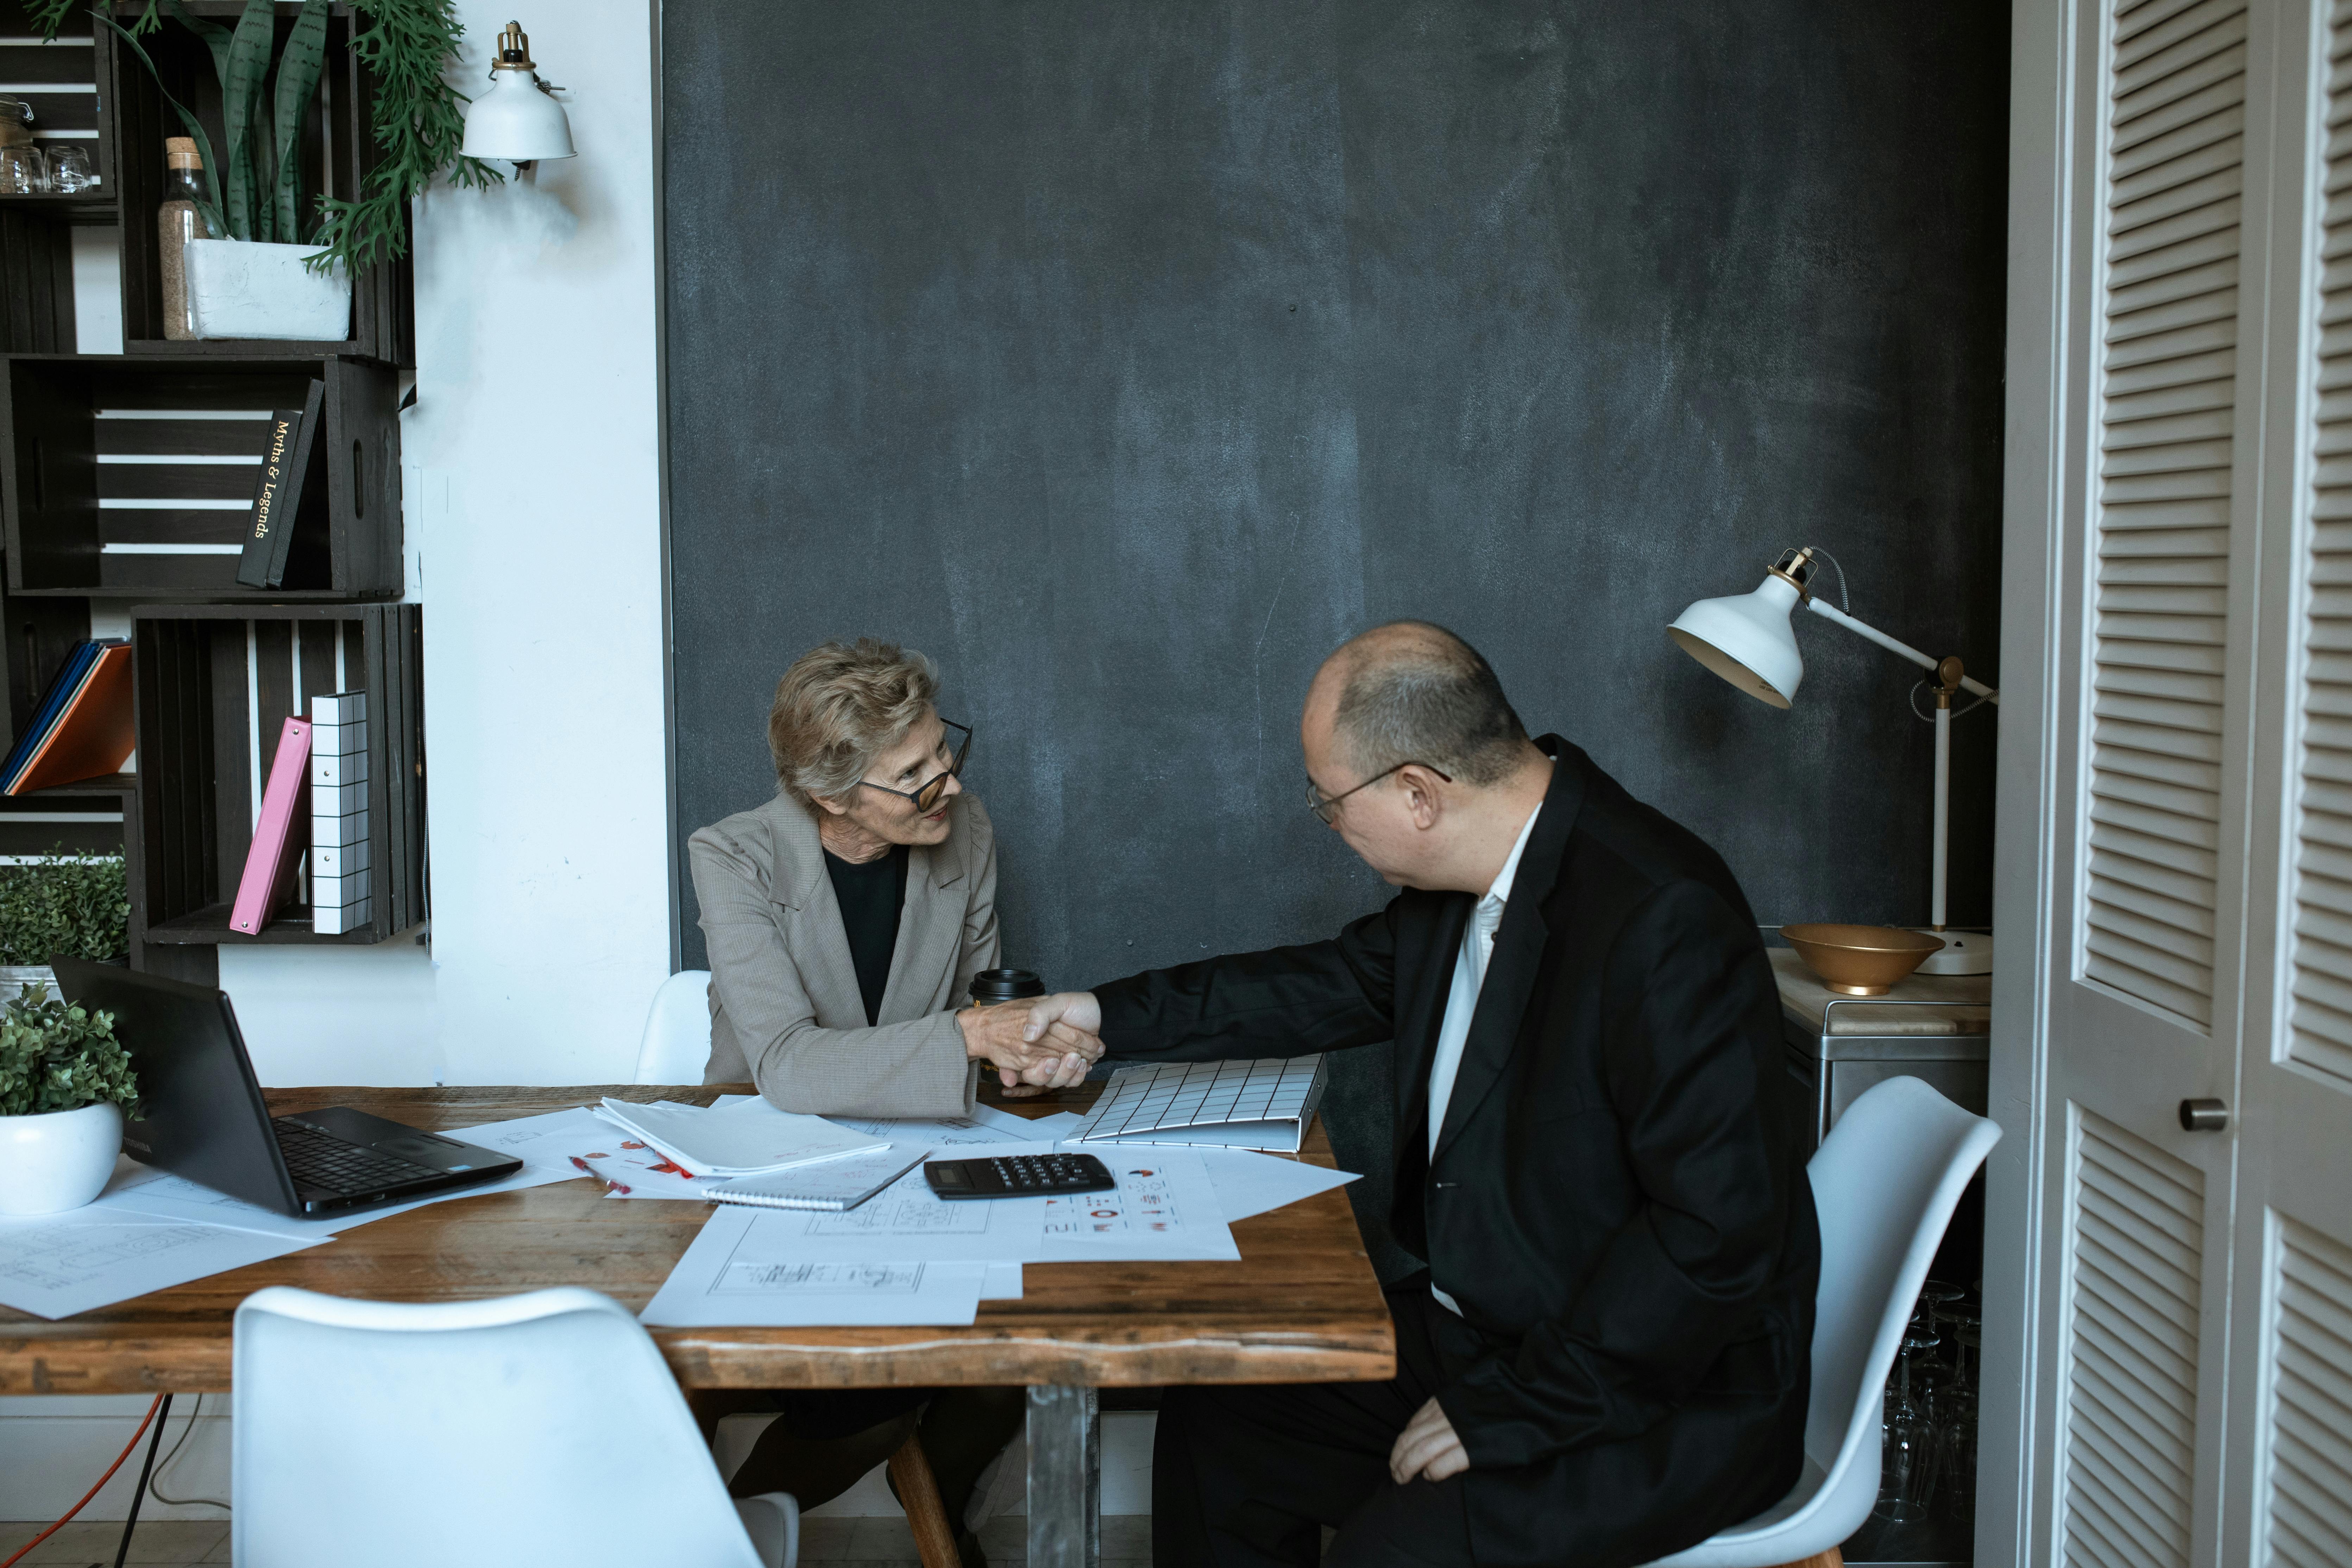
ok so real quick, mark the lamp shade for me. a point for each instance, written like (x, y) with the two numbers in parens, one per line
(516, 121)
(1747, 639)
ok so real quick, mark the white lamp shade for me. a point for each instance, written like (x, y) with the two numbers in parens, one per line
(1747, 639)
(516, 121)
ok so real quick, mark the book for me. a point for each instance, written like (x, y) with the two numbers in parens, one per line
(61, 687)
(742, 1140)
(88, 735)
(832, 1186)
(283, 490)
(280, 838)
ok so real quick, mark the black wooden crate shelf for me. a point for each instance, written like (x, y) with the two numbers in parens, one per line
(205, 747)
(92, 441)
(339, 152)
(61, 82)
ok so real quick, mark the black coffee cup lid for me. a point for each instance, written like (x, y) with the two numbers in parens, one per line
(1005, 985)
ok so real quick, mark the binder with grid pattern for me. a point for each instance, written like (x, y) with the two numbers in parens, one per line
(1264, 1104)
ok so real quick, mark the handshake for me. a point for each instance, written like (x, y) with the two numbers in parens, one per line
(1047, 1042)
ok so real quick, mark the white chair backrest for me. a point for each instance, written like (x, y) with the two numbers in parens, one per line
(676, 1043)
(1885, 1183)
(535, 1431)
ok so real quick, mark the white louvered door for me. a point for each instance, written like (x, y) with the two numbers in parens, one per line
(2289, 1486)
(2145, 944)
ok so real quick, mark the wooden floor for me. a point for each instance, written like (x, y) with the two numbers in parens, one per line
(825, 1543)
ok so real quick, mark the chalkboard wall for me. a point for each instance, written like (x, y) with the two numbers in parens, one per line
(1126, 357)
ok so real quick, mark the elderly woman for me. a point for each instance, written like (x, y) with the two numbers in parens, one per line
(845, 920)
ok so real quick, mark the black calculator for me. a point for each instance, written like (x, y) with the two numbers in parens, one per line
(1018, 1177)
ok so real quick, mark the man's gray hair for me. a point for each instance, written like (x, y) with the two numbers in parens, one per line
(1417, 693)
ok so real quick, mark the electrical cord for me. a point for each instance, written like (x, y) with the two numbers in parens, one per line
(1929, 715)
(155, 1487)
(1832, 560)
(25, 1550)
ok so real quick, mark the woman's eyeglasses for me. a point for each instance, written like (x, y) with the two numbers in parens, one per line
(927, 794)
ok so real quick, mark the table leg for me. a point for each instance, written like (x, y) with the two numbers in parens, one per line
(1065, 1477)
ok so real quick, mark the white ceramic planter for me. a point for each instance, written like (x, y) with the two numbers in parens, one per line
(59, 1161)
(237, 288)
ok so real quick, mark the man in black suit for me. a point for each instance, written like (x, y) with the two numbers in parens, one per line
(1606, 1360)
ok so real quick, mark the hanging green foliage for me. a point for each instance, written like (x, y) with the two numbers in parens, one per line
(419, 119)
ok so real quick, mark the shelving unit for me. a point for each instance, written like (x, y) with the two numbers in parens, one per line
(96, 451)
(215, 683)
(134, 474)
(338, 151)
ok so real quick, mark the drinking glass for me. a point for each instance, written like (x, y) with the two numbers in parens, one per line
(1905, 1475)
(69, 170)
(1955, 1456)
(22, 171)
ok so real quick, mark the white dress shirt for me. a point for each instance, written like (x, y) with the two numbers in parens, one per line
(1461, 999)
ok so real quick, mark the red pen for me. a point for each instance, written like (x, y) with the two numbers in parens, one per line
(600, 1176)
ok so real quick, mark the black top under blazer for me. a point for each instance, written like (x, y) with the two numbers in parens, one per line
(1617, 1197)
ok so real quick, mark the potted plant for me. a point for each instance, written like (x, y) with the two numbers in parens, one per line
(64, 1080)
(77, 905)
(279, 260)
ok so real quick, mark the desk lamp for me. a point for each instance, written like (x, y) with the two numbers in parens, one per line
(1747, 639)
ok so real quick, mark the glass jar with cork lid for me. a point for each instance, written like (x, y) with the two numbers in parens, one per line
(178, 220)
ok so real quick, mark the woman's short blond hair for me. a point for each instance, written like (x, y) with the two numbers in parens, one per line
(839, 705)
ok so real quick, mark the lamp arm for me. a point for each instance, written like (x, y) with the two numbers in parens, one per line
(1830, 612)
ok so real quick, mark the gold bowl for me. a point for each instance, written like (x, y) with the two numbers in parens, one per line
(1861, 960)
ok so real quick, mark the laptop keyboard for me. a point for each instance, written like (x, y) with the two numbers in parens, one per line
(321, 1161)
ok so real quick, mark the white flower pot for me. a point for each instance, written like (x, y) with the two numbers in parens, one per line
(237, 288)
(58, 1161)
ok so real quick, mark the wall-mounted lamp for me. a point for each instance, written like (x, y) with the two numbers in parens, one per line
(518, 120)
(1747, 639)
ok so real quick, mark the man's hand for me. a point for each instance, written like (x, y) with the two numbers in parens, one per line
(1427, 1448)
(1052, 1057)
(1072, 1012)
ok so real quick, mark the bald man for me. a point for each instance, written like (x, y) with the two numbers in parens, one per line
(1606, 1359)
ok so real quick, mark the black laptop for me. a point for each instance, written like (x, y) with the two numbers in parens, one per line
(201, 1114)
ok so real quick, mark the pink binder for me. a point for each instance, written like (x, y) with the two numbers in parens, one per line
(282, 836)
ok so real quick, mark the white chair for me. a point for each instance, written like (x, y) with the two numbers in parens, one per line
(675, 1046)
(533, 1431)
(1885, 1183)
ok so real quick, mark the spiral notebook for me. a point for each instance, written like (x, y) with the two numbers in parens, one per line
(832, 1186)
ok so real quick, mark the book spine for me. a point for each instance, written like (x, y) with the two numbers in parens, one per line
(296, 481)
(341, 897)
(270, 493)
(278, 841)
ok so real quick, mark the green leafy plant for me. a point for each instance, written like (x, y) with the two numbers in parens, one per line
(54, 1057)
(74, 905)
(419, 119)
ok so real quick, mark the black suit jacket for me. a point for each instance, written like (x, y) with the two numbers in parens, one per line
(1617, 1197)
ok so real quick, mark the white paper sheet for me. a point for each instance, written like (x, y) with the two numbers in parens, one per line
(1164, 1209)
(741, 1141)
(144, 1190)
(1003, 1283)
(1029, 1128)
(1251, 1183)
(906, 1220)
(53, 1266)
(936, 1132)
(745, 1270)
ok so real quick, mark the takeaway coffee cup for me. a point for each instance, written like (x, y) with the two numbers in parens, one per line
(992, 986)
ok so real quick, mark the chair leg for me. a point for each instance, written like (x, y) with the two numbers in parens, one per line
(1833, 1558)
(918, 1494)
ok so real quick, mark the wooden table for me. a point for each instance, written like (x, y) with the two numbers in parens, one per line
(1301, 1306)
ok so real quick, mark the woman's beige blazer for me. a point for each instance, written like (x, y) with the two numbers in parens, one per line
(784, 1007)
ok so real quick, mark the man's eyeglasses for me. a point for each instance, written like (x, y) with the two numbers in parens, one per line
(927, 794)
(1326, 808)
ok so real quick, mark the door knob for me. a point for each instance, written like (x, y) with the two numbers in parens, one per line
(2204, 1116)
